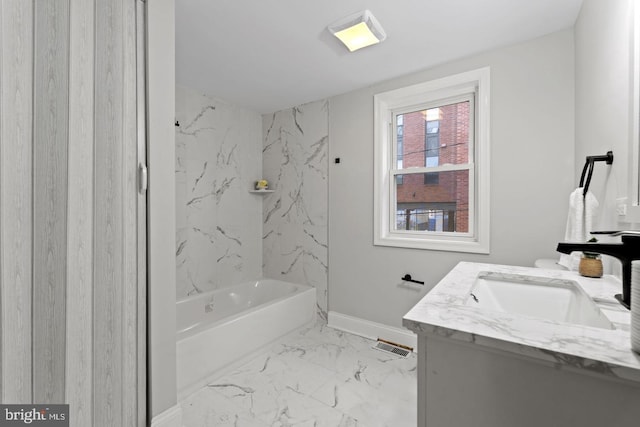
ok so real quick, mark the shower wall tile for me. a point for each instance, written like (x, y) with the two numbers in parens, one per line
(218, 158)
(294, 160)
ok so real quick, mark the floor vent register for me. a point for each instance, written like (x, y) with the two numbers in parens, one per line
(391, 347)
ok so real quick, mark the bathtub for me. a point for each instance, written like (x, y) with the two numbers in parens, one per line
(220, 328)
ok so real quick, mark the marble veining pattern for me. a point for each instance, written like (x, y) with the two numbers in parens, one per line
(295, 143)
(218, 157)
(443, 312)
(314, 377)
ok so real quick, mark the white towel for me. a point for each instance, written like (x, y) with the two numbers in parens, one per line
(580, 221)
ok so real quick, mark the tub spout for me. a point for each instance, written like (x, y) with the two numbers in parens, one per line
(627, 251)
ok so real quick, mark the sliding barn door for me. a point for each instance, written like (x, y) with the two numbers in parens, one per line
(72, 215)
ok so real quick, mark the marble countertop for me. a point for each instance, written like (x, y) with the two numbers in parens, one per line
(442, 312)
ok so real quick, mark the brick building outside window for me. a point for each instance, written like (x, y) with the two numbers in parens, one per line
(433, 201)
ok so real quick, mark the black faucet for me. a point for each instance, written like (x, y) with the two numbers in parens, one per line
(627, 251)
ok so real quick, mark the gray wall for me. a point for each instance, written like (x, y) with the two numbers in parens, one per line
(603, 66)
(162, 214)
(532, 173)
(72, 286)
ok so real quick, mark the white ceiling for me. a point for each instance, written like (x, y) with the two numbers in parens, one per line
(268, 55)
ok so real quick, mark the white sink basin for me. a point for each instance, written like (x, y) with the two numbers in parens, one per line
(542, 297)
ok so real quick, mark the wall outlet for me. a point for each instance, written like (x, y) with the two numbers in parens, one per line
(621, 206)
(621, 210)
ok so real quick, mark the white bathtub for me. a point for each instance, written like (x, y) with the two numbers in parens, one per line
(216, 329)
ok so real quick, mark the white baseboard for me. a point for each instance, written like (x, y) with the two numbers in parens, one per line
(172, 417)
(372, 330)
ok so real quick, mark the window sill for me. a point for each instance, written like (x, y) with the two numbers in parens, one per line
(446, 245)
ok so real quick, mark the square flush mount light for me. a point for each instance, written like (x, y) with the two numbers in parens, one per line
(359, 30)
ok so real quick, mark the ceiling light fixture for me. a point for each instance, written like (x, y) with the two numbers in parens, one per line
(359, 30)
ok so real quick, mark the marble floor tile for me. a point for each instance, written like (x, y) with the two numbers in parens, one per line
(316, 376)
(370, 406)
(285, 368)
(209, 408)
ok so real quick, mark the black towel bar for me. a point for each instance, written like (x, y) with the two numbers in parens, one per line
(407, 278)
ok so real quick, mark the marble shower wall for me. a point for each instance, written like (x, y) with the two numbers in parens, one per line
(218, 157)
(294, 160)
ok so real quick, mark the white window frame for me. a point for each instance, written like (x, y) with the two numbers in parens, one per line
(413, 98)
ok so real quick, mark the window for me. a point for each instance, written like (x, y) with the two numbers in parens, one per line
(432, 164)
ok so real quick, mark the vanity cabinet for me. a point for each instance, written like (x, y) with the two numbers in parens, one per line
(484, 368)
(465, 384)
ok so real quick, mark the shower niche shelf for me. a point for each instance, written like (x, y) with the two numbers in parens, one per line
(261, 192)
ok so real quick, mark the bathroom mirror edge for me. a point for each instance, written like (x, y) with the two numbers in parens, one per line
(632, 214)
